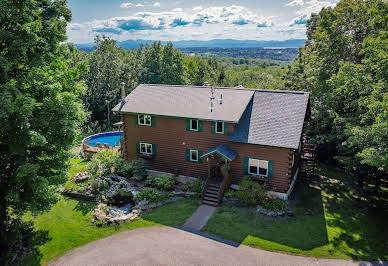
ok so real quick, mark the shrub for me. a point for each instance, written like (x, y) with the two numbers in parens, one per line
(139, 168)
(163, 182)
(126, 170)
(194, 186)
(99, 186)
(230, 193)
(250, 192)
(149, 194)
(273, 204)
(105, 163)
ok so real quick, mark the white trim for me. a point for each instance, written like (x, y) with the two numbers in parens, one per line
(258, 166)
(293, 159)
(191, 128)
(146, 144)
(223, 125)
(191, 158)
(144, 118)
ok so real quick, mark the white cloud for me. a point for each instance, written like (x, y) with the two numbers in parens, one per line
(126, 5)
(156, 4)
(139, 5)
(310, 6)
(226, 22)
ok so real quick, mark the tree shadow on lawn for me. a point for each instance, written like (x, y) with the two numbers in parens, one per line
(305, 231)
(362, 229)
(34, 241)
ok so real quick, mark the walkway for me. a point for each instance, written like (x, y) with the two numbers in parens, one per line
(171, 246)
(200, 217)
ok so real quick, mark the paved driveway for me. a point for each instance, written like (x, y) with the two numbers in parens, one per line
(171, 246)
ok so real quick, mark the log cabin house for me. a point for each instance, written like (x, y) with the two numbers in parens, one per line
(219, 134)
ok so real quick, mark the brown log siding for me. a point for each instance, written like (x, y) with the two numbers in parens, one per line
(171, 139)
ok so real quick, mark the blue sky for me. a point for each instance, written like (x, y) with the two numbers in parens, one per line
(191, 20)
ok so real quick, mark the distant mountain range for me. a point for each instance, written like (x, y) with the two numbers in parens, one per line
(217, 43)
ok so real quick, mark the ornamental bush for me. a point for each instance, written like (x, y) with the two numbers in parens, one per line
(163, 182)
(250, 192)
(149, 194)
(230, 193)
(193, 186)
(273, 204)
(104, 163)
(138, 168)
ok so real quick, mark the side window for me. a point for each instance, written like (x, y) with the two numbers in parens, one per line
(258, 167)
(194, 155)
(144, 120)
(146, 148)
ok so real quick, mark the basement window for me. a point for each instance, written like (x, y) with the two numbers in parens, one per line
(258, 167)
(146, 148)
(220, 127)
(194, 125)
(194, 155)
(144, 120)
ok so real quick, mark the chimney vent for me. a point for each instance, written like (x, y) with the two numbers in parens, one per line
(122, 92)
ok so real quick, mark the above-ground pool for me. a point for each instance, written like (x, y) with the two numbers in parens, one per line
(111, 138)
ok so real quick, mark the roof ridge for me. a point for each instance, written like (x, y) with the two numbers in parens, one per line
(228, 88)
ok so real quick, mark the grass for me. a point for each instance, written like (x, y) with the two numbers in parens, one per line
(67, 225)
(328, 222)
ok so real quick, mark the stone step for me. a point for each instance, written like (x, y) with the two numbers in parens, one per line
(212, 190)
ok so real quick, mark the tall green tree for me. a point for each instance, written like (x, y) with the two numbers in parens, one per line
(40, 109)
(344, 66)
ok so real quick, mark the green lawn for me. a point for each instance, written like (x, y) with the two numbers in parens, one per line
(327, 223)
(67, 225)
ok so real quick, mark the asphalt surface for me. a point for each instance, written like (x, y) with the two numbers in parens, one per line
(173, 246)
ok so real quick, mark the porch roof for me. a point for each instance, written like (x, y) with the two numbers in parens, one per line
(222, 150)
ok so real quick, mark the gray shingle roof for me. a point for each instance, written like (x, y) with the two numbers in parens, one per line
(187, 101)
(273, 118)
(223, 150)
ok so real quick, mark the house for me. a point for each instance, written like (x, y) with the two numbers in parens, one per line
(218, 134)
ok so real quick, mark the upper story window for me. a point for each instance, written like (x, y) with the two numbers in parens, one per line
(194, 125)
(220, 127)
(144, 120)
(258, 167)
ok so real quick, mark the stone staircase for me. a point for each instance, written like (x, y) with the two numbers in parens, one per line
(211, 195)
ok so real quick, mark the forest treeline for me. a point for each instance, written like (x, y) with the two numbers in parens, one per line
(109, 65)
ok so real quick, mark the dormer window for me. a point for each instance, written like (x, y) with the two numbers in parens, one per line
(194, 125)
(144, 120)
(220, 127)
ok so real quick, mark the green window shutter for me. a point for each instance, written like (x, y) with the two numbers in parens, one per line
(213, 127)
(270, 169)
(152, 121)
(136, 119)
(138, 147)
(199, 126)
(153, 149)
(188, 124)
(188, 155)
(199, 156)
(225, 128)
(246, 165)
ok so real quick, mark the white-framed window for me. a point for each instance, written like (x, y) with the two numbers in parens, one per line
(144, 120)
(219, 127)
(146, 148)
(194, 155)
(258, 167)
(194, 125)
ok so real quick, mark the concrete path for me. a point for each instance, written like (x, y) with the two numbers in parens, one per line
(200, 217)
(171, 246)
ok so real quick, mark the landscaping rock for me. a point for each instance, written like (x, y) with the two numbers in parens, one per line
(81, 177)
(108, 214)
(261, 210)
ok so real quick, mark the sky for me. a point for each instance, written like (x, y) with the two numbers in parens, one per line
(174, 20)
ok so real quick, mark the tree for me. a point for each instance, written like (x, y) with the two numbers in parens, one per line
(172, 70)
(40, 109)
(344, 66)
